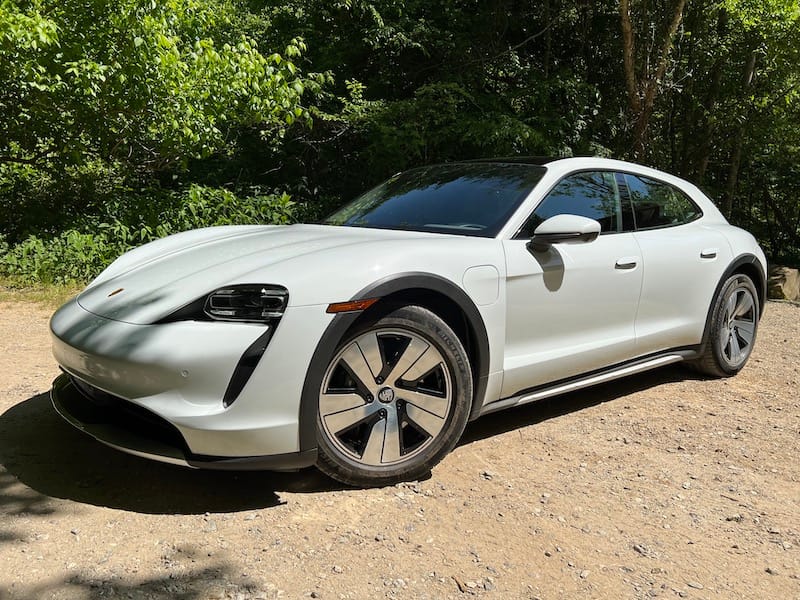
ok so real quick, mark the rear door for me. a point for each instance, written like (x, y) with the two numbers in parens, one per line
(683, 262)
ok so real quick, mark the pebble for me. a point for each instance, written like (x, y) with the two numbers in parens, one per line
(488, 475)
(737, 518)
(215, 592)
(337, 569)
(210, 526)
(695, 585)
(584, 574)
(771, 571)
(641, 549)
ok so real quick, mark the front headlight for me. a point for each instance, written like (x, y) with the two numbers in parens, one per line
(240, 303)
(247, 302)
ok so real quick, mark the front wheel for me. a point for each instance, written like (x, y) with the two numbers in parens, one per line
(734, 323)
(394, 400)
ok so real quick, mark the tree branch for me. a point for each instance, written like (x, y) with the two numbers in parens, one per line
(628, 48)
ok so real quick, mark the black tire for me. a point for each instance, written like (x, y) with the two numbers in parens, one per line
(734, 324)
(376, 429)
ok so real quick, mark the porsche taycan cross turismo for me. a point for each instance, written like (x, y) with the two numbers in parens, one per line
(366, 343)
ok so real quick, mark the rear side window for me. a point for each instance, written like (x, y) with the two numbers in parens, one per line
(658, 204)
(590, 194)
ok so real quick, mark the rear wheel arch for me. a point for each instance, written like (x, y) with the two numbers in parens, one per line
(442, 297)
(754, 271)
(745, 264)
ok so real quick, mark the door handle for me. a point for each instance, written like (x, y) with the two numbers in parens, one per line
(709, 253)
(626, 263)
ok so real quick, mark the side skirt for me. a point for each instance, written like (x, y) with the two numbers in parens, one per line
(582, 381)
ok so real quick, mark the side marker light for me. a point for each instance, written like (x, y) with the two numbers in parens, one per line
(351, 306)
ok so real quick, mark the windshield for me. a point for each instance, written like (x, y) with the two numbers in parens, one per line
(462, 198)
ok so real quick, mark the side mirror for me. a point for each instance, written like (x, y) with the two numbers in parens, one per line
(564, 229)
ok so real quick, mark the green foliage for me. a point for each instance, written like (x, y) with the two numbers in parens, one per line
(124, 121)
(78, 256)
(146, 83)
(101, 100)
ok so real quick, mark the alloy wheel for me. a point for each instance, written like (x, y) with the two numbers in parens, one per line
(385, 397)
(738, 328)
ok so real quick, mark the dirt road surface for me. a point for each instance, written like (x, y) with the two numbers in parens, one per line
(661, 485)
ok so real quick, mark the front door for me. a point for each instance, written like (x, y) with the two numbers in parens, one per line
(571, 309)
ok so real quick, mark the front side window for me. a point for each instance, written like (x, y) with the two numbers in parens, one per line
(589, 194)
(657, 204)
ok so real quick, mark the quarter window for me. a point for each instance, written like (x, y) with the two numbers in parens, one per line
(590, 194)
(657, 204)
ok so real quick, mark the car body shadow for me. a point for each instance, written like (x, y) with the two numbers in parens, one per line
(55, 460)
(548, 408)
(48, 455)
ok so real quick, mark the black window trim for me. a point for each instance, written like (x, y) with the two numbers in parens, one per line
(620, 185)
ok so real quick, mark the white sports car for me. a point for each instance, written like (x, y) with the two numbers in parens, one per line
(366, 343)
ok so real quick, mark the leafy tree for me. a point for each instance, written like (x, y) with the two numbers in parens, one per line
(112, 91)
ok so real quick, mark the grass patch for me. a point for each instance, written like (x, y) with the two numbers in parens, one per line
(47, 295)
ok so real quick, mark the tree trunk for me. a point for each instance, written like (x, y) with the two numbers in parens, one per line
(688, 108)
(642, 89)
(738, 142)
(548, 40)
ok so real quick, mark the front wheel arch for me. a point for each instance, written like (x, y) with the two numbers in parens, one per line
(439, 295)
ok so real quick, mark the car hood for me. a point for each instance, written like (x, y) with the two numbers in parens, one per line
(150, 282)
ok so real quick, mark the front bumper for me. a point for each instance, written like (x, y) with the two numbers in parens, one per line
(177, 374)
(132, 429)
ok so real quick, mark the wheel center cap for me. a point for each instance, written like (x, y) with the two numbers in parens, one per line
(386, 395)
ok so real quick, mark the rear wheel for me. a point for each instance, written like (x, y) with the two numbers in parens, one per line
(394, 400)
(734, 324)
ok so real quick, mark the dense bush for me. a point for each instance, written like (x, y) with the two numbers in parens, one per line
(78, 256)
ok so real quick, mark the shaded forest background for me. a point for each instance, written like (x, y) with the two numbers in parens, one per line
(129, 120)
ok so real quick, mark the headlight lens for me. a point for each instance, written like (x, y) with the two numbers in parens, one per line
(248, 302)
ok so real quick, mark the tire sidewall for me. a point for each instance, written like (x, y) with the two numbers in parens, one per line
(733, 282)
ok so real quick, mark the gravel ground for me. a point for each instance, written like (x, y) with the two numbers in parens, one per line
(661, 485)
